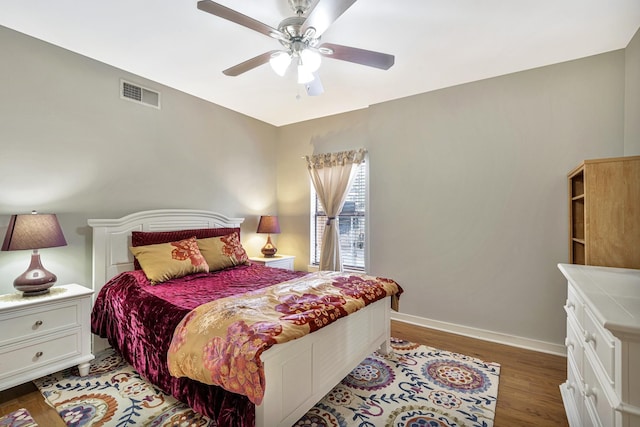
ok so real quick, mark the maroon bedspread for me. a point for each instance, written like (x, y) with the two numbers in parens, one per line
(139, 319)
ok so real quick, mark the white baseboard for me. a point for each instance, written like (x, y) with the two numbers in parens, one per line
(482, 334)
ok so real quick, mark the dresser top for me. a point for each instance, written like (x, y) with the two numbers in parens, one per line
(614, 294)
(56, 293)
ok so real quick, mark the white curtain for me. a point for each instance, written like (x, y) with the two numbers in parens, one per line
(332, 174)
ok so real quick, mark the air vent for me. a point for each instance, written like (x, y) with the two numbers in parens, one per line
(139, 94)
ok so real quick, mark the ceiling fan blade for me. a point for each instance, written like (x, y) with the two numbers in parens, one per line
(314, 88)
(237, 17)
(324, 13)
(249, 64)
(370, 58)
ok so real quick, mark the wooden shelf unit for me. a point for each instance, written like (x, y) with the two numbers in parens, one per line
(604, 212)
(576, 217)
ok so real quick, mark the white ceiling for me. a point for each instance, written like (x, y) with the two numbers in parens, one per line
(437, 43)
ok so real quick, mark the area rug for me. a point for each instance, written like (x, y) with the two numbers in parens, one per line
(414, 386)
(18, 418)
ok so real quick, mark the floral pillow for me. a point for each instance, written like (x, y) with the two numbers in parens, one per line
(144, 238)
(223, 252)
(171, 260)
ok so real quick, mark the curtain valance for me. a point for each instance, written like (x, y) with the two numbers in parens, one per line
(341, 158)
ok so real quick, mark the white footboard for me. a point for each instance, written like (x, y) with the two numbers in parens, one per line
(299, 373)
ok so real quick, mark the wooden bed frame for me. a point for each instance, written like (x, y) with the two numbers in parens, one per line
(298, 373)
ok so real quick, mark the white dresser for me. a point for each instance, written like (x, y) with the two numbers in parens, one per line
(44, 334)
(603, 346)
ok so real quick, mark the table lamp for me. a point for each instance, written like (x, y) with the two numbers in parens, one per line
(269, 224)
(34, 231)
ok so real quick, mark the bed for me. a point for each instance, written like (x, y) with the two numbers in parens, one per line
(297, 373)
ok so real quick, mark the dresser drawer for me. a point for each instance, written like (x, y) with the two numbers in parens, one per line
(574, 306)
(572, 395)
(574, 342)
(598, 409)
(36, 353)
(602, 344)
(33, 322)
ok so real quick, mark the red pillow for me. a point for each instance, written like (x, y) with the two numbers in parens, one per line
(144, 238)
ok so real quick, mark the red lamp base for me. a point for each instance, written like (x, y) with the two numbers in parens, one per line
(268, 250)
(36, 280)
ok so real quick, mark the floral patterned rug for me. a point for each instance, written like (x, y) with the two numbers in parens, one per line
(414, 386)
(18, 418)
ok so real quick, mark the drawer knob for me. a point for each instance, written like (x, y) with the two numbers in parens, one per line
(589, 337)
(38, 354)
(38, 323)
(571, 305)
(590, 392)
(568, 343)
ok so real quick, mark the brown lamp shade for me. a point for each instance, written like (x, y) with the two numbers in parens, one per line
(34, 231)
(269, 224)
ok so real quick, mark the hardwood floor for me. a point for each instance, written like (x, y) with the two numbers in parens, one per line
(528, 394)
(27, 396)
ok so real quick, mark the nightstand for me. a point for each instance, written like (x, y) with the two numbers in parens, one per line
(277, 261)
(44, 334)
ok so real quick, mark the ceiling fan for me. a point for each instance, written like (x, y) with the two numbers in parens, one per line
(300, 37)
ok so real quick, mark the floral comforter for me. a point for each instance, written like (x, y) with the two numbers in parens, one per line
(220, 342)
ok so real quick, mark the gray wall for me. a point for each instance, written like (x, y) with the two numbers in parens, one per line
(632, 98)
(70, 145)
(468, 189)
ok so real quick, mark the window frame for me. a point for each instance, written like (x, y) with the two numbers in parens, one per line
(314, 258)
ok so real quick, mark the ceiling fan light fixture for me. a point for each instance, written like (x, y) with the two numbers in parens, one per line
(304, 74)
(311, 59)
(300, 36)
(280, 61)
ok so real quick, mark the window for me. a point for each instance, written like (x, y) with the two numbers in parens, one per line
(351, 224)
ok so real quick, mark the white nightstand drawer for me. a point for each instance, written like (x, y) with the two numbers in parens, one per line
(278, 261)
(34, 322)
(33, 354)
(44, 333)
(281, 263)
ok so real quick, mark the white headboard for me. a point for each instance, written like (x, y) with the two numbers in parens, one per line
(112, 237)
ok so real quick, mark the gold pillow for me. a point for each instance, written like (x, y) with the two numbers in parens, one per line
(167, 261)
(223, 252)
